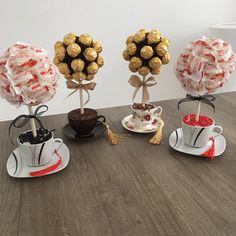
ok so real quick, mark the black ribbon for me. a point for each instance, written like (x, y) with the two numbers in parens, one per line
(23, 119)
(207, 99)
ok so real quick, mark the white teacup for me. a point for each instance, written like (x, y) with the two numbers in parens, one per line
(199, 135)
(143, 118)
(38, 154)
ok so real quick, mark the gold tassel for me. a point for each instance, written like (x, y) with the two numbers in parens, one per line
(156, 139)
(112, 137)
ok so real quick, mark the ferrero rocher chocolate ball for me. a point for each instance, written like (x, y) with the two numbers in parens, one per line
(129, 39)
(161, 49)
(131, 49)
(85, 39)
(97, 46)
(126, 55)
(146, 52)
(77, 65)
(155, 63)
(144, 70)
(73, 50)
(69, 39)
(154, 37)
(100, 61)
(136, 62)
(78, 57)
(139, 36)
(92, 68)
(166, 41)
(156, 71)
(90, 54)
(165, 59)
(89, 77)
(63, 68)
(132, 68)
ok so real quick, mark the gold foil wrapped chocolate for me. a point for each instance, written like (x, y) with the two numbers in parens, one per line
(154, 37)
(90, 54)
(131, 49)
(58, 44)
(69, 39)
(155, 63)
(97, 46)
(139, 36)
(126, 55)
(85, 39)
(165, 59)
(132, 69)
(73, 50)
(89, 77)
(166, 41)
(129, 39)
(100, 61)
(156, 71)
(161, 49)
(63, 68)
(144, 70)
(77, 65)
(146, 52)
(78, 76)
(92, 68)
(60, 53)
(136, 62)
(56, 61)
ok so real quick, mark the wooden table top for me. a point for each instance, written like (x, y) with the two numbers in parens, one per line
(133, 188)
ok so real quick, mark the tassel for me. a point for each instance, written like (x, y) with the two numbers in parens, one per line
(48, 169)
(156, 139)
(112, 137)
(211, 152)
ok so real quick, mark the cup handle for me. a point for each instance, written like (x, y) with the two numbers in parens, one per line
(101, 119)
(58, 140)
(218, 129)
(158, 113)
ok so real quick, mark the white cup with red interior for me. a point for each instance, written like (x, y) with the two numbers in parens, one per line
(198, 133)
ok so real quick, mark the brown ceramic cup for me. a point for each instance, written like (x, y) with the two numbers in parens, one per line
(83, 124)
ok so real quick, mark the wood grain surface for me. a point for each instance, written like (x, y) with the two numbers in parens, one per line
(133, 188)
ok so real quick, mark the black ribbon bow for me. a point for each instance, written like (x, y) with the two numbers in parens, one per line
(23, 119)
(207, 99)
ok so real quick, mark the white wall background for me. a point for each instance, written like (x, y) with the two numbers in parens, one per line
(41, 23)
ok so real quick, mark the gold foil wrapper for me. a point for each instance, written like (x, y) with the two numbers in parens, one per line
(144, 70)
(77, 65)
(56, 61)
(89, 77)
(97, 46)
(73, 50)
(156, 71)
(139, 36)
(126, 55)
(78, 76)
(161, 49)
(60, 53)
(92, 68)
(90, 54)
(146, 52)
(69, 38)
(166, 58)
(68, 76)
(154, 37)
(132, 69)
(85, 39)
(131, 49)
(166, 41)
(58, 44)
(100, 61)
(129, 39)
(63, 68)
(136, 62)
(155, 63)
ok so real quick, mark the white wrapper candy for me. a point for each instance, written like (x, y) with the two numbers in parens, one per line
(27, 76)
(205, 65)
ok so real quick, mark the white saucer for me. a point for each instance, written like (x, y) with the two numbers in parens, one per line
(176, 142)
(128, 124)
(16, 167)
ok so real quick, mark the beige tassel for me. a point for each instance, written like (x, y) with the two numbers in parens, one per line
(156, 139)
(112, 137)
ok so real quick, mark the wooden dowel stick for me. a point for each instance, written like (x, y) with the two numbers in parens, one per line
(32, 122)
(81, 101)
(143, 102)
(198, 111)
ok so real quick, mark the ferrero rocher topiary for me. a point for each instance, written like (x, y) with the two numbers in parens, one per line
(147, 51)
(78, 57)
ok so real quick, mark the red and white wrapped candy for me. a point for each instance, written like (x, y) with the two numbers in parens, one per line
(27, 76)
(205, 65)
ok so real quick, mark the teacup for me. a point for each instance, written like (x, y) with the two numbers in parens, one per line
(198, 133)
(38, 154)
(83, 124)
(144, 117)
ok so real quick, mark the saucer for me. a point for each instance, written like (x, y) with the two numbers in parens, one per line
(128, 124)
(16, 167)
(98, 130)
(176, 142)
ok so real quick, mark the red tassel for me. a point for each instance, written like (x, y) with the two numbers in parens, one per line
(211, 152)
(48, 169)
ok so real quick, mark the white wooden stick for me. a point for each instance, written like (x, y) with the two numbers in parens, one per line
(143, 102)
(32, 122)
(81, 101)
(198, 111)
